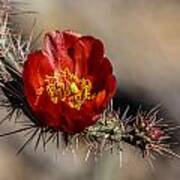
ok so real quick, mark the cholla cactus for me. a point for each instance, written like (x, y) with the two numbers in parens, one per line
(144, 130)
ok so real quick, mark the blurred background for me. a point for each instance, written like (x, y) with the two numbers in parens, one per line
(142, 38)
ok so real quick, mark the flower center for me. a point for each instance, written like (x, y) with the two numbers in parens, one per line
(67, 87)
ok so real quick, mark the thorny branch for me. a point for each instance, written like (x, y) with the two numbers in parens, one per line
(145, 130)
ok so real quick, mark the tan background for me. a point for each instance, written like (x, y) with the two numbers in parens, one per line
(142, 38)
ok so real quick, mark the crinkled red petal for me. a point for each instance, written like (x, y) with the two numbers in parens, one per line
(103, 70)
(86, 53)
(56, 47)
(35, 69)
(70, 38)
(48, 112)
(77, 120)
(111, 87)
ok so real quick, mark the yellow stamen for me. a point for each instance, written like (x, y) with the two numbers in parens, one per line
(69, 88)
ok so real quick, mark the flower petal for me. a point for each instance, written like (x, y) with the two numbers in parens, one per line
(87, 53)
(103, 70)
(70, 38)
(56, 46)
(77, 120)
(111, 87)
(100, 98)
(35, 68)
(48, 112)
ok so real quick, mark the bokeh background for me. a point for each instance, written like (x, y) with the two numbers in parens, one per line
(142, 38)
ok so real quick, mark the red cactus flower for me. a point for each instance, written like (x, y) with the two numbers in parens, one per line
(69, 82)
